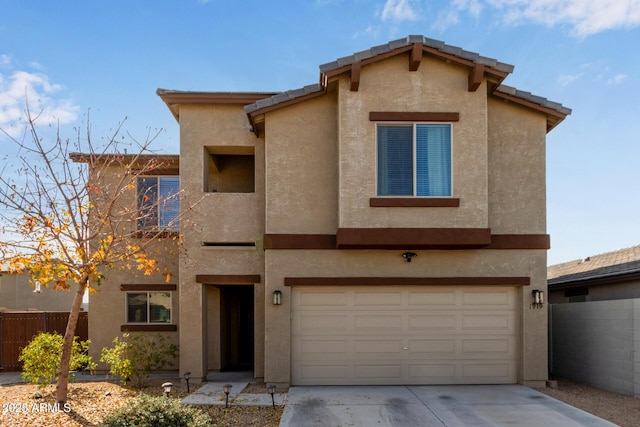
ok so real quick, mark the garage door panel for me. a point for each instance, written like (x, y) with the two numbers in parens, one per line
(436, 347)
(431, 298)
(405, 335)
(308, 348)
(319, 298)
(441, 372)
(486, 347)
(380, 323)
(430, 322)
(330, 322)
(488, 299)
(370, 349)
(378, 372)
(383, 299)
(321, 374)
(488, 373)
(488, 321)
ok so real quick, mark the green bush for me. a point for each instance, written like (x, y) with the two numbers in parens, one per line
(41, 358)
(136, 355)
(156, 412)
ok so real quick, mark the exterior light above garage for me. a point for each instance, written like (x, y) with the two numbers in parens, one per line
(409, 255)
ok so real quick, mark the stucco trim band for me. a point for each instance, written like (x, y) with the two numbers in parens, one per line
(405, 281)
(412, 238)
(413, 116)
(329, 241)
(228, 279)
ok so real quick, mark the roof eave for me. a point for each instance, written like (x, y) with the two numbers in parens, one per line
(175, 98)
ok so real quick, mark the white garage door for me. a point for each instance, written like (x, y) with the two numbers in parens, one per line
(368, 335)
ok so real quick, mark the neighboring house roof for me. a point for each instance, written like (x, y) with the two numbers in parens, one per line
(623, 264)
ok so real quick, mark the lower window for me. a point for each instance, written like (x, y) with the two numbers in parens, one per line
(148, 307)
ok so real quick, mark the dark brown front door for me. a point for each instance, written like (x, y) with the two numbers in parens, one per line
(236, 323)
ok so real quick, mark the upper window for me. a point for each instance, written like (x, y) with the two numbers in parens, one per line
(158, 203)
(414, 160)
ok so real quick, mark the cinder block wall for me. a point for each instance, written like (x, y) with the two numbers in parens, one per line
(597, 343)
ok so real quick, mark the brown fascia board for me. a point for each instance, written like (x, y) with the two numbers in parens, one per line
(175, 98)
(554, 112)
(163, 158)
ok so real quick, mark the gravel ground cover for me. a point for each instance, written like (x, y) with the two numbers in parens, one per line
(614, 407)
(89, 402)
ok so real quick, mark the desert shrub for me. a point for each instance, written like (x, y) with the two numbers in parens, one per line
(41, 358)
(148, 411)
(136, 355)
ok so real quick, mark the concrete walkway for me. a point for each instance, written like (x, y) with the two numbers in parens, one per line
(503, 405)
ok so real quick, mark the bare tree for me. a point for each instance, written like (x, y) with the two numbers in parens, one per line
(71, 210)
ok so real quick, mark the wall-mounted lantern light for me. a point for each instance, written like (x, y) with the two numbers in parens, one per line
(37, 288)
(167, 388)
(409, 255)
(537, 298)
(277, 297)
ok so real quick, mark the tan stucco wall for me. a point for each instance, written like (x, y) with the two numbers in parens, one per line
(216, 218)
(108, 303)
(435, 87)
(302, 168)
(17, 294)
(517, 180)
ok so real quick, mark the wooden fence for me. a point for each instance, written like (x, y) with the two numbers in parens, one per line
(18, 328)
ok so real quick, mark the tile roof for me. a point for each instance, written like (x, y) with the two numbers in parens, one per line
(409, 40)
(440, 46)
(620, 262)
(528, 96)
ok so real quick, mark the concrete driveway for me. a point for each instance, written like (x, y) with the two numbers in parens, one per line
(501, 405)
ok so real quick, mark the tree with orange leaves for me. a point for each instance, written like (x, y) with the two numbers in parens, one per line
(67, 224)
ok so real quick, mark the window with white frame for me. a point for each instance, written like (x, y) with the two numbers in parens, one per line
(148, 307)
(158, 203)
(414, 159)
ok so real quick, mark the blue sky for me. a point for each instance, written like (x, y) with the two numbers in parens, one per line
(111, 56)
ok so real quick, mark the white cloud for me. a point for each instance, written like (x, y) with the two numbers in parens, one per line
(586, 17)
(617, 79)
(36, 89)
(474, 7)
(5, 60)
(567, 79)
(398, 10)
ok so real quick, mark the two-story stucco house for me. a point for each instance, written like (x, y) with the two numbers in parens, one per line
(384, 226)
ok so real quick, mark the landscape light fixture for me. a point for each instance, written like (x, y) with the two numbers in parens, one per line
(277, 297)
(409, 255)
(272, 389)
(167, 388)
(537, 298)
(227, 389)
(187, 375)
